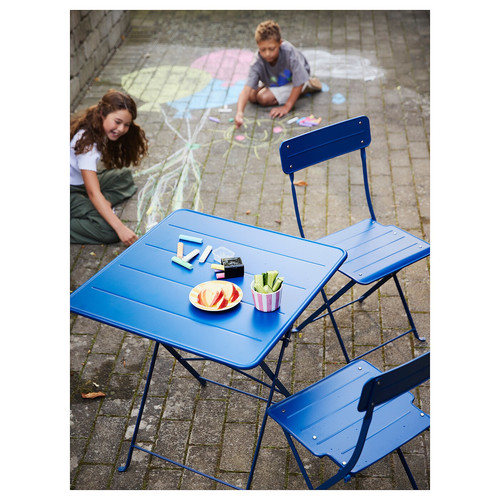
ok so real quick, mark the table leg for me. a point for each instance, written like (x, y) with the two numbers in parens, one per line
(279, 386)
(141, 408)
(275, 382)
(185, 364)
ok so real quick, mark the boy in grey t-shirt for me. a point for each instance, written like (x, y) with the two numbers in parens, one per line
(278, 75)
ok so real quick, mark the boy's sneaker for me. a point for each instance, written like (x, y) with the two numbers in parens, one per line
(313, 85)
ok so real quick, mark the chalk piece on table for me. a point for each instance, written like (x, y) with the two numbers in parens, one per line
(191, 255)
(220, 275)
(181, 262)
(217, 267)
(180, 249)
(192, 239)
(205, 254)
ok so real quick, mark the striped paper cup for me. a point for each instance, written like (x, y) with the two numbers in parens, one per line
(266, 302)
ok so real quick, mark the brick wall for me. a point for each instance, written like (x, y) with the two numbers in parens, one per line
(95, 35)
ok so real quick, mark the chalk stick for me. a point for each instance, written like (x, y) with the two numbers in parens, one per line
(216, 120)
(205, 254)
(181, 262)
(191, 255)
(180, 249)
(192, 239)
(220, 276)
(217, 267)
(292, 120)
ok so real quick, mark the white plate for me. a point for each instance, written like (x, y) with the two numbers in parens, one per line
(193, 296)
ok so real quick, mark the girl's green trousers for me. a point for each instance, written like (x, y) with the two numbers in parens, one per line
(87, 226)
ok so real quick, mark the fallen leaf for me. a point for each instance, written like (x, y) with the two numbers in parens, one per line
(248, 212)
(300, 183)
(92, 395)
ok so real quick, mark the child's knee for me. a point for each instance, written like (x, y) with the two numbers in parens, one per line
(266, 98)
(252, 96)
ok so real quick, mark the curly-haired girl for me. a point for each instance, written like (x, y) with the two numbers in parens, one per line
(107, 132)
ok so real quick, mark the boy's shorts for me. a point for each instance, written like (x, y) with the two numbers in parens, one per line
(282, 93)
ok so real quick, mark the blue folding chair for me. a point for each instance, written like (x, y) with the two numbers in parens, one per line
(327, 417)
(375, 252)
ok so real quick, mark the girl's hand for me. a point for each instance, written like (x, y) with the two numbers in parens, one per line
(103, 206)
(127, 236)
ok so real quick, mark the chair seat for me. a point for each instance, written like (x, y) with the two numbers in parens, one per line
(375, 251)
(325, 419)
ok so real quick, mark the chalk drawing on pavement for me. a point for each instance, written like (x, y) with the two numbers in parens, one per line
(214, 80)
(338, 64)
(176, 174)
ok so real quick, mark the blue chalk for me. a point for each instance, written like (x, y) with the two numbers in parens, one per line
(193, 239)
(338, 98)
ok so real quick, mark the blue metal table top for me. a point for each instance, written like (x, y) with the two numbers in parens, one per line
(143, 292)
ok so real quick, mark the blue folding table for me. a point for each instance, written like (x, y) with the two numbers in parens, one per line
(143, 292)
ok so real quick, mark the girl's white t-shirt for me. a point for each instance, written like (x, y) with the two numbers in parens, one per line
(85, 161)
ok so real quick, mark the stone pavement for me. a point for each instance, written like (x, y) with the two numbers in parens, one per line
(373, 63)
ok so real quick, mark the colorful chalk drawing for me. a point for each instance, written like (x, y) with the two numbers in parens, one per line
(170, 175)
(341, 65)
(181, 173)
(214, 80)
(257, 135)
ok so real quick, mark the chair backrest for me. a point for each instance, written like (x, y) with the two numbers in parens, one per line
(324, 144)
(395, 382)
(380, 389)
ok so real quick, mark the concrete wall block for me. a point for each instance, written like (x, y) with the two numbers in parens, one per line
(91, 43)
(74, 85)
(96, 16)
(105, 26)
(116, 15)
(102, 52)
(94, 35)
(115, 36)
(77, 60)
(87, 71)
(80, 33)
(74, 19)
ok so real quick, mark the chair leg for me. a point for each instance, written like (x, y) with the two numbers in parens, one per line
(407, 469)
(407, 309)
(314, 316)
(336, 328)
(374, 288)
(298, 460)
